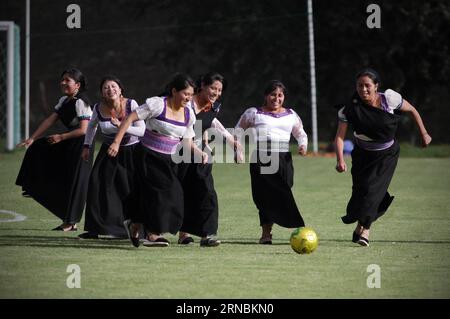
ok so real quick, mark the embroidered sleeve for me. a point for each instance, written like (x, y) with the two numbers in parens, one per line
(137, 128)
(221, 129)
(247, 119)
(151, 108)
(298, 132)
(189, 133)
(92, 128)
(393, 99)
(83, 110)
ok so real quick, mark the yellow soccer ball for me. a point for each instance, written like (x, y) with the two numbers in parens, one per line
(304, 240)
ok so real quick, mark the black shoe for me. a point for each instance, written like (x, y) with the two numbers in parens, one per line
(363, 241)
(88, 235)
(25, 194)
(209, 242)
(71, 228)
(135, 241)
(355, 237)
(162, 240)
(266, 240)
(186, 240)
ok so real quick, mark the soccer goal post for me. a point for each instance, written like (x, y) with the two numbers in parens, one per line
(9, 83)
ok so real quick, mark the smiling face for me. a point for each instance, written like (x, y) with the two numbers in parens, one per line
(212, 93)
(111, 90)
(69, 86)
(367, 89)
(274, 100)
(182, 97)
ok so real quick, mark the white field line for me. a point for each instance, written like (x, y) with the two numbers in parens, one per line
(16, 217)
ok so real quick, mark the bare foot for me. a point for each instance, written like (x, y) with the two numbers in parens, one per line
(66, 227)
(365, 233)
(153, 236)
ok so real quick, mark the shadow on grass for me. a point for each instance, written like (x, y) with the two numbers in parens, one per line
(252, 241)
(64, 242)
(445, 242)
(124, 244)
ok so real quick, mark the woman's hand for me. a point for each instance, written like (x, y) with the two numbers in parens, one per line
(113, 149)
(426, 139)
(341, 166)
(115, 121)
(55, 138)
(26, 143)
(85, 154)
(302, 150)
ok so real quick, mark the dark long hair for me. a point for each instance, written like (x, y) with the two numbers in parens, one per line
(113, 78)
(180, 81)
(78, 77)
(210, 78)
(273, 85)
(122, 101)
(370, 73)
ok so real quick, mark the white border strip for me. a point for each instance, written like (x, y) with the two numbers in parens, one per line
(17, 217)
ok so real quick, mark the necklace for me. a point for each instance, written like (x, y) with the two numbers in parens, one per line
(114, 109)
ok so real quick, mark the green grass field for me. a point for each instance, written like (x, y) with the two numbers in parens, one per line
(410, 244)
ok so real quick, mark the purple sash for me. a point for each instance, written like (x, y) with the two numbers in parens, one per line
(159, 143)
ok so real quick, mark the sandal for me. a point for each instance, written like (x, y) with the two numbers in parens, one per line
(266, 240)
(363, 241)
(185, 240)
(209, 242)
(71, 228)
(158, 242)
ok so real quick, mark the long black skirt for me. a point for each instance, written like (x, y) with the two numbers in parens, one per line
(201, 213)
(272, 193)
(372, 173)
(110, 185)
(158, 191)
(56, 177)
